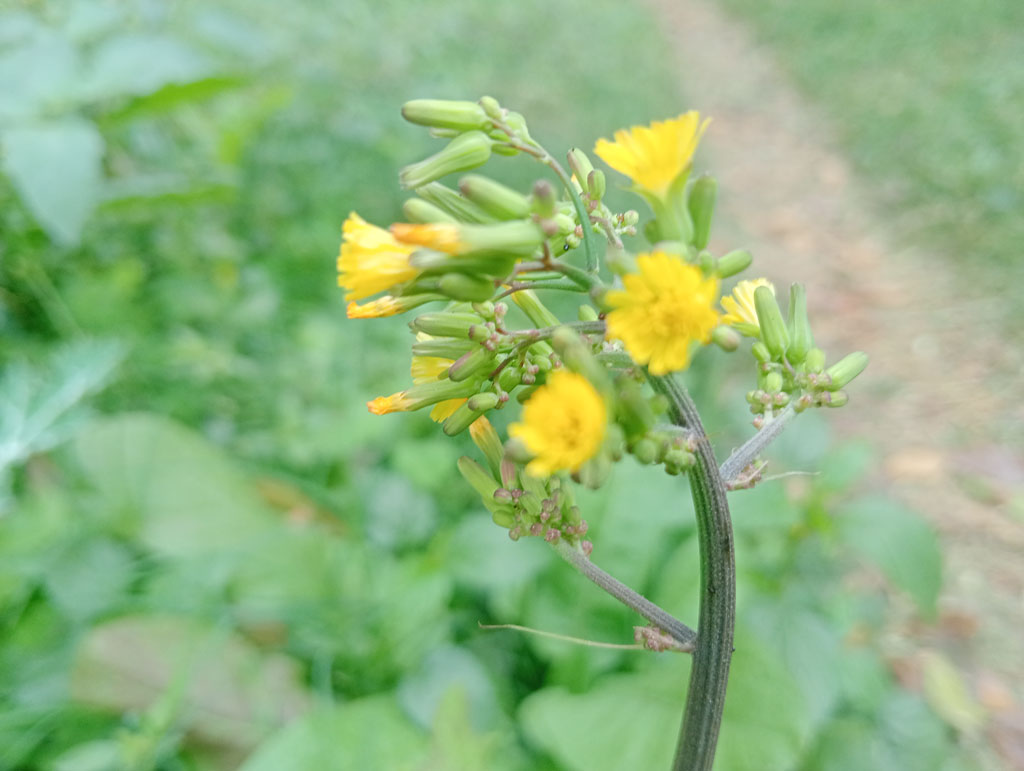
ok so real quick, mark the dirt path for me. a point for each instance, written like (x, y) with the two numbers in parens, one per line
(938, 396)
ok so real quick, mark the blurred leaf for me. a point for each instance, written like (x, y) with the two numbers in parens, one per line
(807, 647)
(457, 747)
(173, 95)
(90, 577)
(900, 543)
(366, 734)
(623, 721)
(427, 463)
(184, 492)
(38, 402)
(230, 694)
(55, 167)
(136, 64)
(397, 515)
(847, 744)
(99, 755)
(919, 740)
(421, 693)
(37, 72)
(766, 722)
(865, 679)
(947, 694)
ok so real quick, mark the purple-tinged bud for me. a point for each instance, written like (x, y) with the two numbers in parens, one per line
(544, 200)
(501, 494)
(552, 535)
(536, 528)
(515, 533)
(587, 547)
(508, 473)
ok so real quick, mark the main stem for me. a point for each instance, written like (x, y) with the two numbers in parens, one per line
(705, 700)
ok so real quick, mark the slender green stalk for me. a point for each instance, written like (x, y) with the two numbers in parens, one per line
(705, 699)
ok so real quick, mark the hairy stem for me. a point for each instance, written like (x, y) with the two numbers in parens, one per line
(676, 629)
(705, 700)
(733, 466)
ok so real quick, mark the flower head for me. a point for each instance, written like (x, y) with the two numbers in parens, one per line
(375, 309)
(665, 307)
(739, 307)
(563, 424)
(654, 156)
(383, 405)
(371, 260)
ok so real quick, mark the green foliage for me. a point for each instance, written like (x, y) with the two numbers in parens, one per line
(235, 542)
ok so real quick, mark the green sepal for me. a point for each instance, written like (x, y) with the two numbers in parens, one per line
(446, 114)
(845, 370)
(701, 205)
(769, 319)
(800, 338)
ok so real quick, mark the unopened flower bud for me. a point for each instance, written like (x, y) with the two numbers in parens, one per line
(773, 382)
(418, 210)
(580, 165)
(846, 369)
(732, 263)
(491, 107)
(761, 352)
(504, 518)
(477, 361)
(478, 477)
(597, 184)
(815, 360)
(726, 338)
(467, 412)
(769, 319)
(467, 151)
(647, 451)
(510, 377)
(460, 286)
(578, 357)
(544, 199)
(495, 198)
(586, 313)
(486, 438)
(800, 338)
(446, 114)
(446, 324)
(534, 309)
(834, 399)
(455, 204)
(701, 204)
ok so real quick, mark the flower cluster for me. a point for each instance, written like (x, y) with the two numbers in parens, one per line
(483, 254)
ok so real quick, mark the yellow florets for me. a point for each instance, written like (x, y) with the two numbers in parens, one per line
(740, 312)
(563, 424)
(440, 237)
(371, 260)
(665, 307)
(654, 156)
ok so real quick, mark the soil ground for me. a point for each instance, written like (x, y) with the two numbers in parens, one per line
(939, 399)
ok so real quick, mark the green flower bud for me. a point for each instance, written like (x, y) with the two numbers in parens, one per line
(461, 208)
(418, 210)
(815, 360)
(534, 309)
(597, 184)
(726, 338)
(543, 199)
(580, 166)
(530, 504)
(443, 348)
(491, 107)
(446, 324)
(490, 264)
(706, 262)
(595, 471)
(504, 517)
(467, 151)
(701, 204)
(446, 114)
(846, 369)
(426, 394)
(834, 399)
(761, 352)
(587, 313)
(769, 319)
(647, 451)
(519, 237)
(800, 338)
(460, 286)
(468, 412)
(677, 461)
(578, 357)
(478, 478)
(510, 377)
(494, 198)
(477, 361)
(486, 438)
(517, 123)
(773, 382)
(732, 263)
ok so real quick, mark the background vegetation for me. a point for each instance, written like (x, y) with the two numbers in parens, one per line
(211, 556)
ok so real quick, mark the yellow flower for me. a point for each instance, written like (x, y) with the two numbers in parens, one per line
(563, 424)
(375, 309)
(441, 237)
(653, 156)
(426, 369)
(663, 309)
(382, 405)
(739, 307)
(371, 260)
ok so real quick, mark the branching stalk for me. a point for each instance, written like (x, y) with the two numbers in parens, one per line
(732, 468)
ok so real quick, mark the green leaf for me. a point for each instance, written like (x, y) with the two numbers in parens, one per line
(947, 694)
(180, 491)
(365, 734)
(900, 543)
(421, 693)
(38, 72)
(55, 167)
(90, 577)
(225, 690)
(623, 721)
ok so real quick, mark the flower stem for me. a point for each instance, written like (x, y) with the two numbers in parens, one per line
(705, 699)
(676, 629)
(732, 467)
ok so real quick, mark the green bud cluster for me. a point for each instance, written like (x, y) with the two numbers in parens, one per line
(791, 370)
